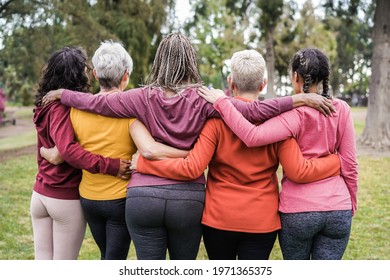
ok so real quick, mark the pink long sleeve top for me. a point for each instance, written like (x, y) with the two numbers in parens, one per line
(175, 121)
(317, 136)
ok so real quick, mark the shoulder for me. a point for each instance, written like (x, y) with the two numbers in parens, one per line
(57, 107)
(132, 93)
(341, 104)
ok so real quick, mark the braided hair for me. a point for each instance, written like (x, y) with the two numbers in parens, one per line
(66, 68)
(175, 66)
(314, 67)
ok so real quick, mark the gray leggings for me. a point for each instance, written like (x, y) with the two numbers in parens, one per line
(161, 218)
(315, 235)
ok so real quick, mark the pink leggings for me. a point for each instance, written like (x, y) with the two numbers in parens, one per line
(59, 227)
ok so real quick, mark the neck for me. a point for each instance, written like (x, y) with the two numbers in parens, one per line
(169, 93)
(312, 89)
(247, 95)
(110, 90)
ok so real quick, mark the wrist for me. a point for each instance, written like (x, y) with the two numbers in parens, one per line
(219, 100)
(298, 100)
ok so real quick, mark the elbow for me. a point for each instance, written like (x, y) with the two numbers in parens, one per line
(194, 175)
(148, 153)
(250, 144)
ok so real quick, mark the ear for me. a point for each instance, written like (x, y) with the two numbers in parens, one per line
(125, 76)
(229, 79)
(263, 84)
(94, 74)
(296, 77)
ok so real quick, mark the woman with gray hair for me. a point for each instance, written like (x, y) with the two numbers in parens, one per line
(103, 197)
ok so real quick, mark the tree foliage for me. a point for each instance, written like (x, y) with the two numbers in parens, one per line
(32, 30)
(216, 35)
(351, 20)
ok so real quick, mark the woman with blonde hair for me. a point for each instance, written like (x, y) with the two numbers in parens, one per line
(316, 217)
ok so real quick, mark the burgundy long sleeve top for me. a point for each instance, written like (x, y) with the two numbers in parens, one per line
(54, 128)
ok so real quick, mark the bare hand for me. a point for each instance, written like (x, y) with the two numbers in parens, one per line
(52, 95)
(134, 160)
(211, 95)
(52, 155)
(124, 169)
(319, 102)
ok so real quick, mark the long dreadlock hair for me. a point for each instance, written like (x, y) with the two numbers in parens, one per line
(175, 66)
(314, 67)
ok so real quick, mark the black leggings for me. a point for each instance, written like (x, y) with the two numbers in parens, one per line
(231, 245)
(161, 218)
(106, 219)
(315, 235)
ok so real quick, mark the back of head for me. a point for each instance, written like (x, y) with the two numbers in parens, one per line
(175, 66)
(314, 67)
(247, 70)
(110, 62)
(66, 68)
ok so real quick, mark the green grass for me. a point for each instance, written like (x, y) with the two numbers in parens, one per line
(370, 236)
(18, 141)
(24, 112)
(359, 122)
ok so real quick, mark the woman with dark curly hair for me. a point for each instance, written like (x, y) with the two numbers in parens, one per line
(57, 218)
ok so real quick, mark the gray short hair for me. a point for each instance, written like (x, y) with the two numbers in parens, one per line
(110, 62)
(247, 70)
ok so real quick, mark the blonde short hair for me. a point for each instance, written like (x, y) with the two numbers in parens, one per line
(247, 70)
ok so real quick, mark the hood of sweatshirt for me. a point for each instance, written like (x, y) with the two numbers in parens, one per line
(40, 119)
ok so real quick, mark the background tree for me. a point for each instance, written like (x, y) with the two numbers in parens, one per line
(216, 34)
(299, 29)
(377, 130)
(270, 12)
(32, 30)
(265, 16)
(351, 21)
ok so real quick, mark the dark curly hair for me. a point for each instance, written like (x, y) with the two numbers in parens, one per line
(313, 66)
(66, 68)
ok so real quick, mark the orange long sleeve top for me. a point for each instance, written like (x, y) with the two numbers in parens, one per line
(242, 188)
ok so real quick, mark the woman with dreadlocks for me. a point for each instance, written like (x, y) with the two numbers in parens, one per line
(316, 217)
(162, 213)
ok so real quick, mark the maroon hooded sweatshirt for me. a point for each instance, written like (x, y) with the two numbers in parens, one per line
(54, 128)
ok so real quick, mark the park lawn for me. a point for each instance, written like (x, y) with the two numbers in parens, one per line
(370, 236)
(18, 141)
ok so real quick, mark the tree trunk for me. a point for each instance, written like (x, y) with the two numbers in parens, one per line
(270, 60)
(377, 130)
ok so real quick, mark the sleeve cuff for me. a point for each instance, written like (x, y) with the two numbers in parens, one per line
(285, 104)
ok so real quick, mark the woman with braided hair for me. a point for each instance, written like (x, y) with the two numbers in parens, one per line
(316, 217)
(164, 214)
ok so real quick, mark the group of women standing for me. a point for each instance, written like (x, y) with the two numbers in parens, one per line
(169, 213)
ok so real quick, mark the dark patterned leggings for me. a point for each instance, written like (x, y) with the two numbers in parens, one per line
(315, 235)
